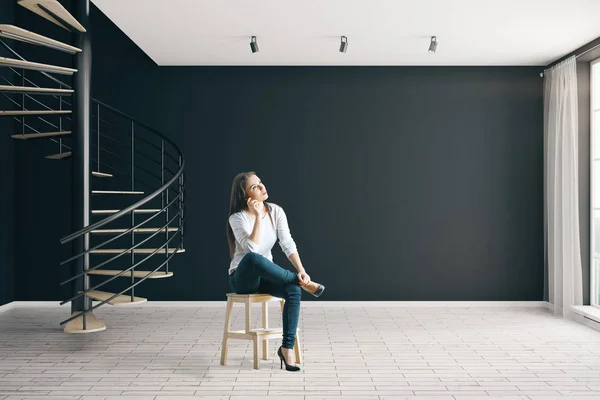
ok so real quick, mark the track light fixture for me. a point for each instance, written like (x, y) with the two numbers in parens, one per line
(254, 44)
(433, 45)
(343, 44)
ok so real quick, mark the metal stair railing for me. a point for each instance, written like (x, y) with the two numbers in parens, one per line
(168, 183)
(167, 177)
(21, 75)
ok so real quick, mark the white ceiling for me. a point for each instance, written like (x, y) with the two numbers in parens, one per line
(380, 32)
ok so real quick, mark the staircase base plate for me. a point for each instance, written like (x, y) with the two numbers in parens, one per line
(93, 324)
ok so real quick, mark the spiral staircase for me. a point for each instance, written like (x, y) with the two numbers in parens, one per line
(136, 181)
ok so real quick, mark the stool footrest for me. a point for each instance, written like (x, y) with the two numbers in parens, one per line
(260, 332)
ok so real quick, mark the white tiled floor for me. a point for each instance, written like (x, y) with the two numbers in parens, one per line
(164, 352)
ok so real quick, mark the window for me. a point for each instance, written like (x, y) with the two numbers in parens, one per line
(595, 185)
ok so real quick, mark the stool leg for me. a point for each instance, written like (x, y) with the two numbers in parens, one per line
(265, 321)
(248, 316)
(255, 352)
(226, 332)
(297, 347)
(254, 337)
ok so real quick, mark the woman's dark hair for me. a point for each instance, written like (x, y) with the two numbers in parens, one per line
(237, 203)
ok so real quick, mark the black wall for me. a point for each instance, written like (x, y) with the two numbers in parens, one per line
(7, 164)
(399, 183)
(42, 186)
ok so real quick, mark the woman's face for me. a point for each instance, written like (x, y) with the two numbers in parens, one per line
(255, 189)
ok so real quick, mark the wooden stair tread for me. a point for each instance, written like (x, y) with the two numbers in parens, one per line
(115, 192)
(138, 211)
(40, 135)
(54, 7)
(135, 251)
(117, 301)
(101, 174)
(136, 274)
(34, 112)
(60, 156)
(138, 230)
(16, 33)
(29, 89)
(11, 62)
(93, 324)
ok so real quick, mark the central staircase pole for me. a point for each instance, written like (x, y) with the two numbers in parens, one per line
(81, 152)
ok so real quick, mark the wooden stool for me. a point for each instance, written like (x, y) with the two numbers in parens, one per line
(256, 335)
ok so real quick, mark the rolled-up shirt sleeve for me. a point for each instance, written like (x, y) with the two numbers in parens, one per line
(241, 234)
(288, 246)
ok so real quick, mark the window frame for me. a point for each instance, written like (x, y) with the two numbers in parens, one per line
(594, 158)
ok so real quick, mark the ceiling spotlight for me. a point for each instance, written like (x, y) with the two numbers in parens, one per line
(253, 44)
(433, 45)
(343, 44)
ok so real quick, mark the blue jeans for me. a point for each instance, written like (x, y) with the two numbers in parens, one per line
(256, 274)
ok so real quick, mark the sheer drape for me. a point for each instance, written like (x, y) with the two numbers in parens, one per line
(561, 216)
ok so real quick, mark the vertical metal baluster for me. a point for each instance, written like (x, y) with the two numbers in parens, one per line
(86, 264)
(132, 211)
(60, 118)
(132, 254)
(167, 229)
(98, 133)
(132, 155)
(162, 175)
(180, 205)
(23, 103)
(162, 171)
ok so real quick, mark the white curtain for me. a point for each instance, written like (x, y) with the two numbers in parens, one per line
(561, 217)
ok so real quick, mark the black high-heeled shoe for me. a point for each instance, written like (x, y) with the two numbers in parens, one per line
(282, 361)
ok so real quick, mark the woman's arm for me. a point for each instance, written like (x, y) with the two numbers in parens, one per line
(303, 277)
(241, 235)
(295, 259)
(256, 233)
(289, 246)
